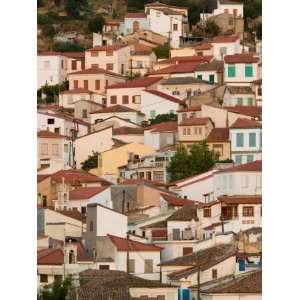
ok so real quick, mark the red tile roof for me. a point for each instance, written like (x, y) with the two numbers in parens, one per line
(136, 83)
(165, 96)
(50, 257)
(176, 201)
(42, 177)
(49, 135)
(252, 111)
(241, 199)
(245, 123)
(74, 214)
(65, 117)
(225, 39)
(218, 135)
(77, 91)
(125, 130)
(76, 176)
(195, 121)
(124, 245)
(115, 108)
(240, 58)
(83, 193)
(95, 71)
(108, 47)
(49, 53)
(143, 181)
(77, 54)
(159, 232)
(182, 59)
(183, 67)
(136, 15)
(140, 49)
(198, 108)
(254, 166)
(170, 126)
(204, 46)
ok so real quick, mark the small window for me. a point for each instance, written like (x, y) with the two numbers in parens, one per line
(250, 158)
(199, 77)
(240, 101)
(74, 65)
(175, 27)
(44, 149)
(252, 139)
(148, 266)
(97, 84)
(214, 273)
(91, 226)
(136, 99)
(75, 84)
(113, 99)
(238, 159)
(55, 150)
(184, 131)
(231, 70)
(248, 70)
(211, 78)
(86, 84)
(188, 131)
(131, 266)
(109, 53)
(94, 53)
(152, 114)
(187, 250)
(83, 210)
(239, 140)
(109, 67)
(248, 211)
(66, 148)
(250, 101)
(43, 278)
(125, 99)
(50, 121)
(207, 212)
(172, 111)
(62, 64)
(84, 113)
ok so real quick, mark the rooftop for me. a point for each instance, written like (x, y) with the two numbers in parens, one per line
(254, 166)
(124, 130)
(49, 134)
(186, 213)
(115, 108)
(83, 193)
(240, 58)
(95, 71)
(245, 123)
(215, 65)
(170, 126)
(251, 111)
(182, 59)
(225, 39)
(176, 201)
(195, 121)
(135, 15)
(165, 96)
(180, 80)
(245, 90)
(218, 135)
(136, 83)
(241, 199)
(108, 47)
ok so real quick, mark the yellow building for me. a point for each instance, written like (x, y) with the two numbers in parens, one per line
(109, 161)
(218, 140)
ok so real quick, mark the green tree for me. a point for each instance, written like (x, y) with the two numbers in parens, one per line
(162, 51)
(96, 24)
(59, 290)
(67, 47)
(199, 160)
(163, 118)
(252, 8)
(52, 91)
(48, 30)
(258, 30)
(40, 3)
(74, 7)
(91, 162)
(212, 29)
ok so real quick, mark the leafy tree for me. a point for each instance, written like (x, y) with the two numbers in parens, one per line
(52, 91)
(163, 118)
(40, 3)
(96, 24)
(134, 74)
(74, 7)
(59, 290)
(162, 51)
(91, 162)
(67, 47)
(258, 30)
(48, 30)
(199, 160)
(252, 8)
(212, 29)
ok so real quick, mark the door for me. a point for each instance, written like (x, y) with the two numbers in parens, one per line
(86, 84)
(185, 294)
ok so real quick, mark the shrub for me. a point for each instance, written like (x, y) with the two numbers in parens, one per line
(48, 30)
(96, 24)
(67, 47)
(162, 51)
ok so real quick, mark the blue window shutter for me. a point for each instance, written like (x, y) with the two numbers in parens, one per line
(250, 158)
(242, 266)
(240, 140)
(252, 139)
(239, 101)
(238, 159)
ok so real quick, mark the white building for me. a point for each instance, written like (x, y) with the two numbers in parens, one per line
(52, 68)
(235, 8)
(239, 95)
(226, 45)
(246, 140)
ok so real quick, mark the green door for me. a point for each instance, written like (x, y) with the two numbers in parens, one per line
(211, 78)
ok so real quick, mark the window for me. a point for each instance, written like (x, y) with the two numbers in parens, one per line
(207, 212)
(125, 99)
(187, 250)
(199, 77)
(44, 149)
(44, 201)
(211, 78)
(84, 113)
(188, 131)
(66, 148)
(109, 53)
(62, 64)
(238, 159)
(86, 84)
(214, 273)
(74, 65)
(43, 278)
(71, 257)
(55, 149)
(94, 53)
(113, 99)
(226, 10)
(252, 139)
(248, 211)
(50, 121)
(57, 130)
(175, 93)
(94, 66)
(248, 70)
(136, 99)
(109, 67)
(139, 64)
(104, 267)
(75, 84)
(239, 101)
(235, 12)
(47, 64)
(131, 266)
(250, 158)
(175, 27)
(184, 131)
(83, 210)
(122, 68)
(152, 114)
(97, 84)
(91, 226)
(231, 70)
(148, 266)
(58, 278)
(106, 83)
(184, 116)
(259, 91)
(245, 181)
(250, 101)
(240, 140)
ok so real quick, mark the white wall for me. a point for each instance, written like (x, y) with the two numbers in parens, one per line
(152, 139)
(221, 7)
(231, 48)
(240, 74)
(132, 116)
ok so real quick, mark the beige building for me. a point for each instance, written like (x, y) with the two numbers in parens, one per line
(114, 58)
(94, 79)
(218, 141)
(83, 109)
(74, 61)
(228, 22)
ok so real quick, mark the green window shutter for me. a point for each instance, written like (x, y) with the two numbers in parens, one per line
(239, 101)
(252, 139)
(199, 77)
(250, 158)
(152, 114)
(250, 101)
(211, 78)
(240, 140)
(248, 70)
(231, 70)
(238, 159)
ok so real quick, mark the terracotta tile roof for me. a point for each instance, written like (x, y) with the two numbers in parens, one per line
(251, 111)
(141, 82)
(49, 135)
(74, 214)
(243, 90)
(95, 71)
(225, 39)
(159, 224)
(183, 67)
(66, 117)
(77, 54)
(77, 91)
(214, 225)
(195, 121)
(76, 177)
(83, 193)
(218, 135)
(135, 15)
(82, 254)
(245, 123)
(188, 182)
(245, 283)
(204, 46)
(108, 47)
(128, 131)
(123, 244)
(169, 11)
(50, 257)
(241, 199)
(170, 126)
(143, 181)
(198, 108)
(240, 58)
(186, 213)
(165, 96)
(215, 65)
(176, 201)
(180, 80)
(42, 177)
(114, 109)
(182, 59)
(160, 233)
(49, 53)
(205, 258)
(140, 49)
(254, 166)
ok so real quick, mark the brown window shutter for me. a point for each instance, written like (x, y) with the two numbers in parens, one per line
(75, 84)
(74, 64)
(125, 99)
(113, 100)
(97, 84)
(86, 84)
